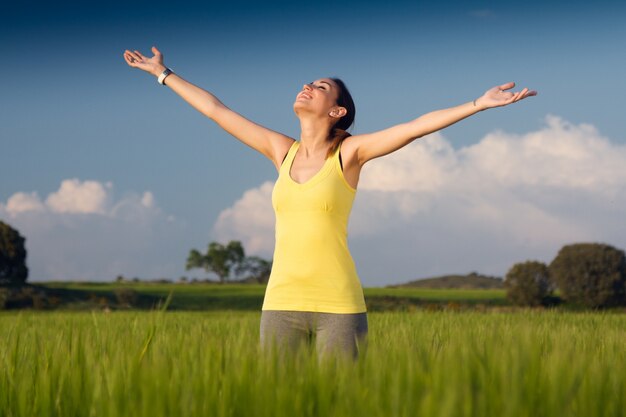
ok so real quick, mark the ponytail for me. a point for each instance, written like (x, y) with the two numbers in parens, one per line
(337, 136)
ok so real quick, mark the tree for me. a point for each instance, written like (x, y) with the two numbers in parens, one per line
(219, 259)
(13, 268)
(256, 268)
(590, 274)
(528, 284)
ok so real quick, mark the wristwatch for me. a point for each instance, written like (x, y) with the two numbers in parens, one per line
(164, 75)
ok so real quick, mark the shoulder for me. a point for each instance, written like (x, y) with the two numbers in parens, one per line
(350, 149)
(286, 144)
(350, 145)
(283, 149)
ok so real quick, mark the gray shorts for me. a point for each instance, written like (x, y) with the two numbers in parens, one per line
(333, 333)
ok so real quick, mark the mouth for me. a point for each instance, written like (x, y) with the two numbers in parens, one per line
(304, 95)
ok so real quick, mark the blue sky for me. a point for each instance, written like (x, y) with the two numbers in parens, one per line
(73, 111)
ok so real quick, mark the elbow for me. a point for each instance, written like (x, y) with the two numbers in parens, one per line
(213, 109)
(416, 129)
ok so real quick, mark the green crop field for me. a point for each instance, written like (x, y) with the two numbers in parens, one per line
(418, 363)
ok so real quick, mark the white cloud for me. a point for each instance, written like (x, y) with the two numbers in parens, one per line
(431, 209)
(80, 197)
(82, 232)
(251, 220)
(417, 168)
(561, 155)
(20, 202)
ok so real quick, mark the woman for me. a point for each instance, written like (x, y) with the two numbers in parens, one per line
(313, 288)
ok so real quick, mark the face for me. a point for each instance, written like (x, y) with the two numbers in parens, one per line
(319, 97)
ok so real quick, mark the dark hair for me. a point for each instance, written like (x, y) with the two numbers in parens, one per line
(339, 131)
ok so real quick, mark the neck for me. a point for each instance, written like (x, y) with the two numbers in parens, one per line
(314, 136)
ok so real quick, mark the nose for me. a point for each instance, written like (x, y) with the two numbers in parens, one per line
(307, 87)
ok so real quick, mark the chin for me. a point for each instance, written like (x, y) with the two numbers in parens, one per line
(298, 104)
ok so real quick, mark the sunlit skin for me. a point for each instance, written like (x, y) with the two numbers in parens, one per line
(316, 108)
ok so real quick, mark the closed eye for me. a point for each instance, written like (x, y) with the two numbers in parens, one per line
(326, 86)
(321, 85)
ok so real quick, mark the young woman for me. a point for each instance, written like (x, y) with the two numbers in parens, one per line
(313, 287)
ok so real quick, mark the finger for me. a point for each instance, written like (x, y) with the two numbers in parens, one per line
(155, 51)
(140, 54)
(129, 60)
(511, 98)
(507, 86)
(134, 56)
(135, 60)
(521, 94)
(530, 94)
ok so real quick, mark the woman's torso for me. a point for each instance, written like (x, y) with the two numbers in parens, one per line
(313, 269)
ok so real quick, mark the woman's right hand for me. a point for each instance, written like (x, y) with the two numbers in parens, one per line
(152, 65)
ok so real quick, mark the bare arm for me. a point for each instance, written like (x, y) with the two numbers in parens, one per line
(376, 144)
(272, 144)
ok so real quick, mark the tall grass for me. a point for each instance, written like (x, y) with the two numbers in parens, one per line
(209, 364)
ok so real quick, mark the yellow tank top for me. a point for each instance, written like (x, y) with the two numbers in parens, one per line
(313, 269)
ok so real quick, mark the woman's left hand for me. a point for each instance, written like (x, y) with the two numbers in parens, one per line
(498, 97)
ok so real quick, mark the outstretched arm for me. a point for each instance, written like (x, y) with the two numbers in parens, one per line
(374, 145)
(272, 144)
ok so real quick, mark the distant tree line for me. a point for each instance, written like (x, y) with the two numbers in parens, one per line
(590, 275)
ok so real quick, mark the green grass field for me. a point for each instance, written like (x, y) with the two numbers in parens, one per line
(420, 363)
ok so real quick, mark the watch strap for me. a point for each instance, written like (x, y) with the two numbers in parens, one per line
(164, 75)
